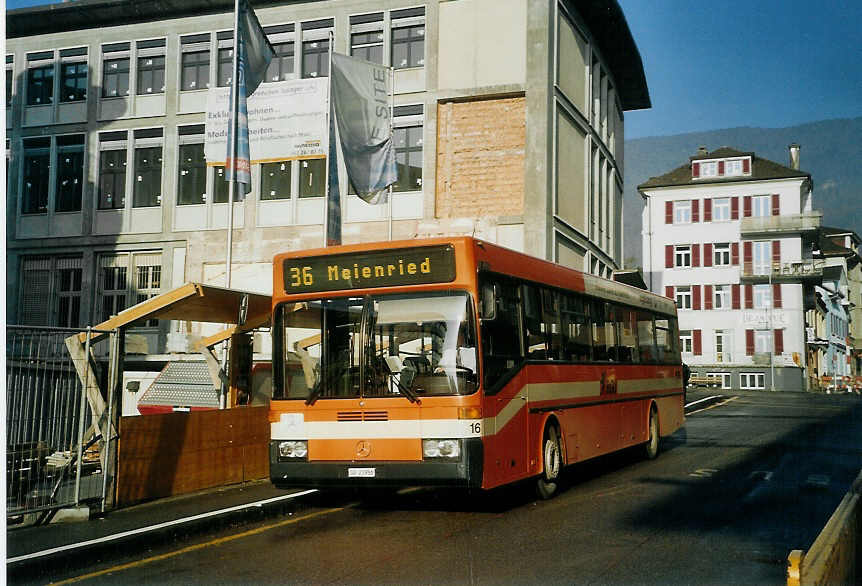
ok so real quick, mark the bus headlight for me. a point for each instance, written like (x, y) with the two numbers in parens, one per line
(293, 450)
(441, 448)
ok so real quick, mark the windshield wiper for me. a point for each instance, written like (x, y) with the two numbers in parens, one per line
(314, 394)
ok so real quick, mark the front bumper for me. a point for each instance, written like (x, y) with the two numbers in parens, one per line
(466, 472)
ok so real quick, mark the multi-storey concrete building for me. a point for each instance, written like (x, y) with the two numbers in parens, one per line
(729, 235)
(509, 126)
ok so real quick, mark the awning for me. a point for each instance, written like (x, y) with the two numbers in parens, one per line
(196, 302)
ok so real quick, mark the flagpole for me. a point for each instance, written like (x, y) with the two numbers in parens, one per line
(391, 133)
(329, 152)
(234, 108)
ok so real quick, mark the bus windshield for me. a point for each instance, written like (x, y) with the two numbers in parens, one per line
(410, 345)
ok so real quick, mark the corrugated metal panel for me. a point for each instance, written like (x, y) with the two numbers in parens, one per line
(182, 384)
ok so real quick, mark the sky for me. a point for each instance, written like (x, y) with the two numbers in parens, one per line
(712, 65)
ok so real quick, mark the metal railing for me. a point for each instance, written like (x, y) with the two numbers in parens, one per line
(786, 223)
(52, 449)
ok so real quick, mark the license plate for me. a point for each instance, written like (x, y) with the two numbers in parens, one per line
(361, 472)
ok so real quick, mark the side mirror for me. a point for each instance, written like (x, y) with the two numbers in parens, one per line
(488, 304)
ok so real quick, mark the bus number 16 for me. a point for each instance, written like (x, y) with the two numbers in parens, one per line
(300, 277)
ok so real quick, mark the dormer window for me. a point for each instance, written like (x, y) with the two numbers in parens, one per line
(709, 169)
(721, 168)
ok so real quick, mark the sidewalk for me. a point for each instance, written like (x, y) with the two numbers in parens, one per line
(146, 522)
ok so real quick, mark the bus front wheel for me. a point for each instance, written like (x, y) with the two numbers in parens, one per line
(552, 457)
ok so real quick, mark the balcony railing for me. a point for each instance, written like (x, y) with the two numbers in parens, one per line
(789, 223)
(784, 272)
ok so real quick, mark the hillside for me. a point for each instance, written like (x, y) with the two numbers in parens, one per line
(831, 152)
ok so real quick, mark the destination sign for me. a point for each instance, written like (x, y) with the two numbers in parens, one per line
(365, 270)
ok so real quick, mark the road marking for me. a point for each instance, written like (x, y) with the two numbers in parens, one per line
(198, 546)
(711, 406)
(704, 473)
(124, 534)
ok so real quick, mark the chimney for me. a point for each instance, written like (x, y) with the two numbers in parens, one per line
(794, 156)
(702, 151)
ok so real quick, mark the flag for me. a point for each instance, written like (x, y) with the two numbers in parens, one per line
(253, 52)
(360, 104)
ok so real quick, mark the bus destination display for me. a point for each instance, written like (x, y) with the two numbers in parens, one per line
(384, 268)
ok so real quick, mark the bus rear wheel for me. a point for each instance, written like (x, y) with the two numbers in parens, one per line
(552, 458)
(651, 446)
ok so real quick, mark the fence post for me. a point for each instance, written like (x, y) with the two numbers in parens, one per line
(82, 413)
(115, 381)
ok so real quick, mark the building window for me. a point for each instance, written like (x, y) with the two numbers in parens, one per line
(151, 75)
(70, 173)
(148, 177)
(733, 167)
(721, 299)
(762, 257)
(315, 58)
(761, 206)
(10, 74)
(686, 341)
(37, 172)
(221, 186)
(40, 85)
(762, 341)
(408, 46)
(192, 174)
(752, 380)
(721, 209)
(126, 279)
(281, 66)
(762, 296)
(50, 291)
(709, 169)
(722, 346)
(225, 66)
(275, 180)
(682, 256)
(682, 212)
(112, 179)
(408, 157)
(73, 82)
(115, 80)
(195, 68)
(721, 254)
(683, 297)
(724, 377)
(367, 46)
(312, 178)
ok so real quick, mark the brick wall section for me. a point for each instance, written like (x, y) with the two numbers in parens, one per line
(480, 158)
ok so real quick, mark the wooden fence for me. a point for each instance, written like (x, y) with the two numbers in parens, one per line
(177, 453)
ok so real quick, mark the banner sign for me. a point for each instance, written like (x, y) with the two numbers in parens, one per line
(364, 270)
(286, 120)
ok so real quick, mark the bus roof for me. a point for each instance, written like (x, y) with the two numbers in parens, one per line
(496, 258)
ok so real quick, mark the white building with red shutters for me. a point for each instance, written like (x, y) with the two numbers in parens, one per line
(729, 236)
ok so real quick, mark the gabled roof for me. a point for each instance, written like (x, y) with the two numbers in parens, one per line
(761, 169)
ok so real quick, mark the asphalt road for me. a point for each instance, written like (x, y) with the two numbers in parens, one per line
(743, 483)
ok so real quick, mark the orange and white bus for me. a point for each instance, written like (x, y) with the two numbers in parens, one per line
(456, 362)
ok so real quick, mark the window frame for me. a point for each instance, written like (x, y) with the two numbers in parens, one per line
(747, 378)
(721, 254)
(761, 206)
(683, 297)
(76, 62)
(40, 88)
(721, 209)
(682, 256)
(686, 341)
(682, 210)
(112, 53)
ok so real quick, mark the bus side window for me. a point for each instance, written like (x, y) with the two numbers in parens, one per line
(501, 337)
(646, 338)
(576, 330)
(667, 337)
(534, 328)
(628, 345)
(603, 338)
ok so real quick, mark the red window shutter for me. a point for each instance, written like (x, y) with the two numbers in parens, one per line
(776, 251)
(734, 208)
(776, 296)
(695, 170)
(776, 205)
(749, 342)
(668, 212)
(668, 256)
(734, 254)
(721, 168)
(707, 255)
(779, 341)
(707, 296)
(707, 210)
(695, 296)
(695, 210)
(734, 296)
(749, 297)
(746, 258)
(746, 166)
(696, 342)
(668, 291)
(746, 206)
(695, 255)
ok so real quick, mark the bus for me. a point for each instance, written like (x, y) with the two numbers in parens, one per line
(457, 362)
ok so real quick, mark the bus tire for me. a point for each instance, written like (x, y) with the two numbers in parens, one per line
(552, 463)
(651, 445)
